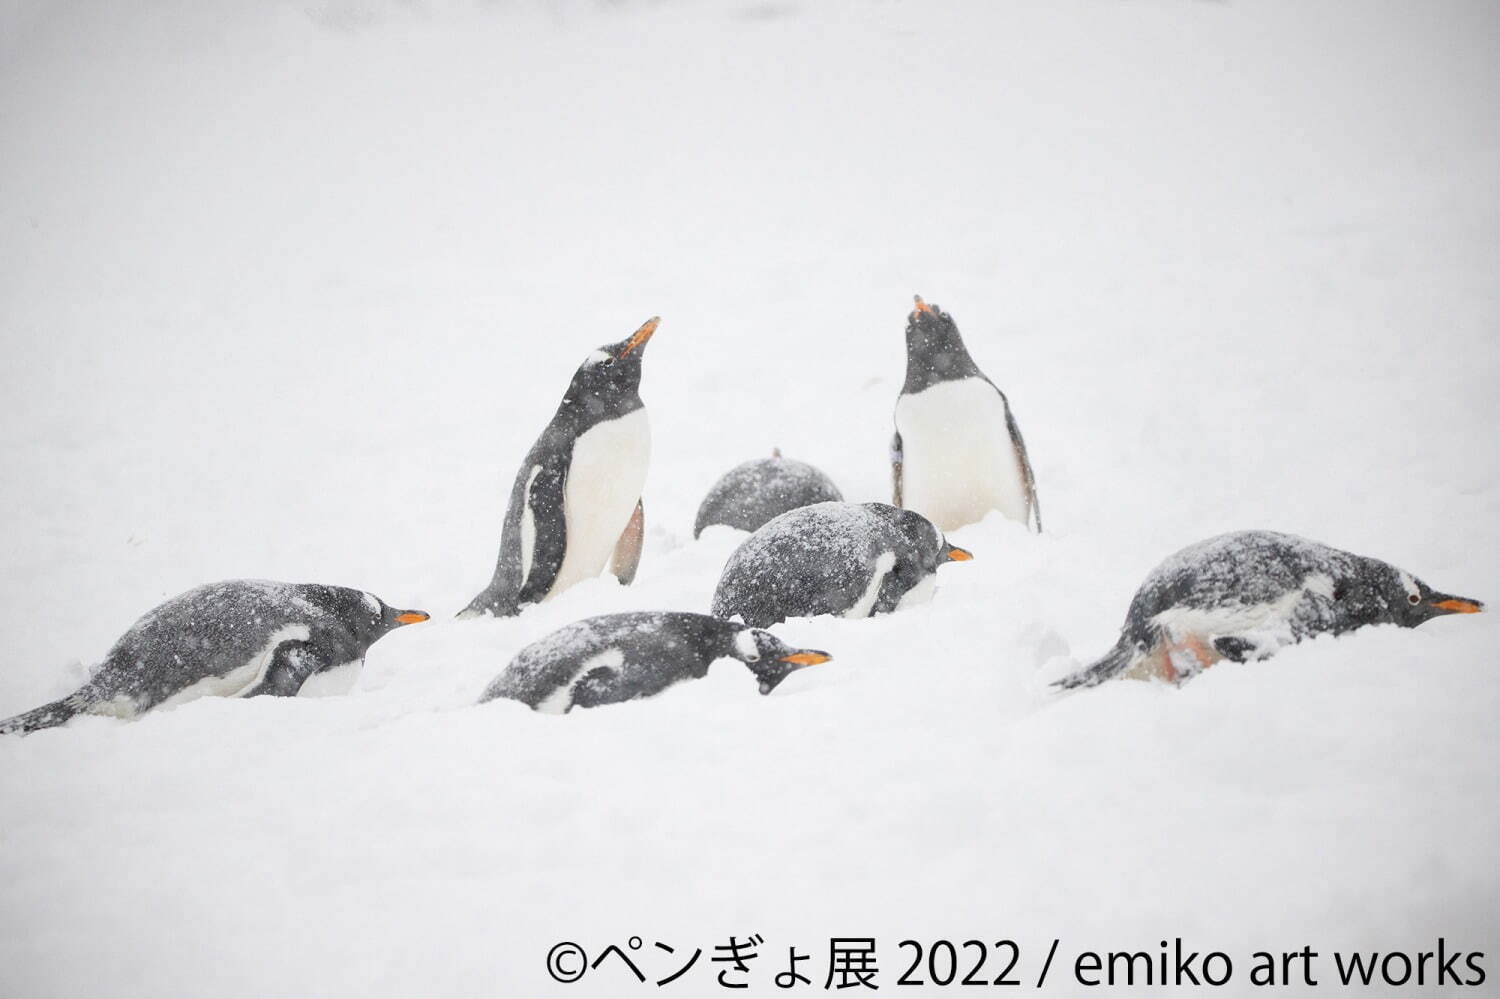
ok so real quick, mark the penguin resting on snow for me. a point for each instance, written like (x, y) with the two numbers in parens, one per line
(957, 453)
(850, 559)
(1245, 595)
(576, 502)
(621, 657)
(752, 493)
(233, 639)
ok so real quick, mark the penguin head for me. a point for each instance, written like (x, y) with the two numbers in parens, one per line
(1412, 601)
(934, 548)
(1385, 593)
(607, 384)
(771, 659)
(365, 615)
(935, 351)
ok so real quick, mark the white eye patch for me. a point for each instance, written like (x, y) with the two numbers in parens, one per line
(371, 602)
(745, 643)
(597, 357)
(1410, 585)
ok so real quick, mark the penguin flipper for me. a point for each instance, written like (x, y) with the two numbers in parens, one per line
(898, 456)
(897, 583)
(1241, 648)
(627, 556)
(291, 664)
(1027, 475)
(499, 597)
(550, 543)
(594, 688)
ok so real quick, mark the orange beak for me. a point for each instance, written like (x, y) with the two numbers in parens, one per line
(640, 336)
(1457, 605)
(806, 658)
(412, 617)
(960, 555)
(921, 306)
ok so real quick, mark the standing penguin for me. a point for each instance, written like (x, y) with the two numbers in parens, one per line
(233, 639)
(576, 502)
(850, 559)
(957, 453)
(621, 657)
(1245, 595)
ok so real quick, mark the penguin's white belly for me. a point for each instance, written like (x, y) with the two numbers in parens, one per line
(1268, 625)
(241, 679)
(232, 684)
(605, 480)
(919, 594)
(334, 682)
(958, 459)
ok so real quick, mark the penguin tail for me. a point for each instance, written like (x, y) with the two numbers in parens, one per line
(46, 716)
(1114, 662)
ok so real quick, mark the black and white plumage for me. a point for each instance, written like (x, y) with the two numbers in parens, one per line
(622, 657)
(1244, 595)
(850, 559)
(576, 505)
(752, 493)
(958, 452)
(237, 638)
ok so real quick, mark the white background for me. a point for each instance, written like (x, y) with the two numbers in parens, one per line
(287, 290)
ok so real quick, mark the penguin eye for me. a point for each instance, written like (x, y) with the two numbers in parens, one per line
(608, 362)
(1412, 598)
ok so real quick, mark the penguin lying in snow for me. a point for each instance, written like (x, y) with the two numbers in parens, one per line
(576, 502)
(851, 559)
(1244, 595)
(957, 453)
(233, 639)
(752, 493)
(621, 657)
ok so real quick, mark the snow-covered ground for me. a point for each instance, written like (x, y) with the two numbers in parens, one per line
(286, 291)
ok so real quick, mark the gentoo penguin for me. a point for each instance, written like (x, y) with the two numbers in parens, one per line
(957, 453)
(238, 638)
(620, 657)
(752, 493)
(576, 503)
(850, 559)
(1244, 595)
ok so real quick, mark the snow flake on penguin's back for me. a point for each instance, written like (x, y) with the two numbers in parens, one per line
(831, 529)
(1244, 567)
(753, 493)
(827, 548)
(205, 606)
(584, 637)
(568, 641)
